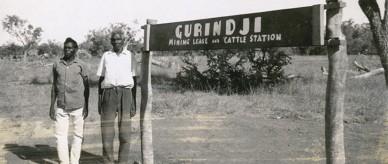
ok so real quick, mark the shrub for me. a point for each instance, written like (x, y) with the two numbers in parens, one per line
(98, 40)
(230, 72)
(11, 51)
(83, 54)
(51, 49)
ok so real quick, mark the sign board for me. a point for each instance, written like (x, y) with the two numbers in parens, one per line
(281, 28)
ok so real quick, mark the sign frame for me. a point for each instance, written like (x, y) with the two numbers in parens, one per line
(212, 33)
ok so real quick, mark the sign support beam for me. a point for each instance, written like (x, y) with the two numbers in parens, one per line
(336, 83)
(147, 154)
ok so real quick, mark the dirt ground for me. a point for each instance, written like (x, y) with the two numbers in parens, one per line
(201, 138)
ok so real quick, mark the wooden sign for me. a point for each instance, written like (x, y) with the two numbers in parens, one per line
(290, 27)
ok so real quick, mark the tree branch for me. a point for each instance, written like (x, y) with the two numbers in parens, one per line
(386, 13)
(370, 9)
(369, 74)
(18, 37)
(372, 12)
(355, 75)
(361, 67)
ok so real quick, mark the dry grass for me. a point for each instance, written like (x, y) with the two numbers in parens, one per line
(289, 114)
(27, 88)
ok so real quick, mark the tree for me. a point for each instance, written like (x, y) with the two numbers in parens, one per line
(98, 41)
(25, 33)
(10, 51)
(51, 48)
(358, 37)
(379, 27)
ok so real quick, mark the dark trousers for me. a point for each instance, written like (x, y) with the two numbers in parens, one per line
(116, 101)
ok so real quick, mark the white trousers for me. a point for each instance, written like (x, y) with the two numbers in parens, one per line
(63, 117)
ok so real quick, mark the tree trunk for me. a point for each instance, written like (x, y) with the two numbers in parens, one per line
(25, 53)
(379, 29)
(382, 50)
(335, 91)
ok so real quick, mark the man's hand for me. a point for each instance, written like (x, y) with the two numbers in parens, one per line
(52, 113)
(85, 112)
(133, 111)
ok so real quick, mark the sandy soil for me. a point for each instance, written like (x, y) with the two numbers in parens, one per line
(202, 138)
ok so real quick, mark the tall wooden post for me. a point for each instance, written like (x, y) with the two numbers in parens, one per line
(335, 91)
(147, 153)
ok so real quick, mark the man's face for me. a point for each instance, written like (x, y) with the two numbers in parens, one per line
(117, 42)
(69, 50)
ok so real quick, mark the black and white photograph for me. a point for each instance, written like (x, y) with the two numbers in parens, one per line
(194, 82)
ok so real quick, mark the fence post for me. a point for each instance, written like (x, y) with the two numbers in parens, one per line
(147, 154)
(336, 82)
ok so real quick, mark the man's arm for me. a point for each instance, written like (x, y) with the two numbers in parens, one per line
(100, 93)
(53, 97)
(133, 90)
(134, 75)
(86, 95)
(100, 73)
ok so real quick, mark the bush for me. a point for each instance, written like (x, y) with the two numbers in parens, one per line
(83, 54)
(51, 49)
(229, 72)
(98, 40)
(11, 51)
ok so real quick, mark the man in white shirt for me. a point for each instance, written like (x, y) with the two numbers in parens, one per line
(116, 71)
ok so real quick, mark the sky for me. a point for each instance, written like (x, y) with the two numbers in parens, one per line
(75, 18)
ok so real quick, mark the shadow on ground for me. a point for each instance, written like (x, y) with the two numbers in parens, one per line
(44, 154)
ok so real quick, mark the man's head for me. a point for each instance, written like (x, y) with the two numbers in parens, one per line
(117, 40)
(70, 48)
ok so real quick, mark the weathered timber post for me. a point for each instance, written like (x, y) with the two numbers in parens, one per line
(147, 153)
(336, 82)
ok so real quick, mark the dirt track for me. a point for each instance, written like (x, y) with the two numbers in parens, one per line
(210, 138)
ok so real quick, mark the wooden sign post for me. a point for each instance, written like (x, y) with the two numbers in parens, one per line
(336, 82)
(147, 154)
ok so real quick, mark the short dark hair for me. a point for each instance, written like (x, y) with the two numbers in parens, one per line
(119, 32)
(71, 40)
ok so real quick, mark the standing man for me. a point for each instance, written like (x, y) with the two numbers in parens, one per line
(115, 98)
(71, 92)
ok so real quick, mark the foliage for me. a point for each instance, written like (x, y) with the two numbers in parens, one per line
(312, 50)
(25, 33)
(229, 72)
(358, 37)
(11, 51)
(51, 48)
(98, 41)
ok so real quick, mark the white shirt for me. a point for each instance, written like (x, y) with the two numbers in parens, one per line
(117, 69)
